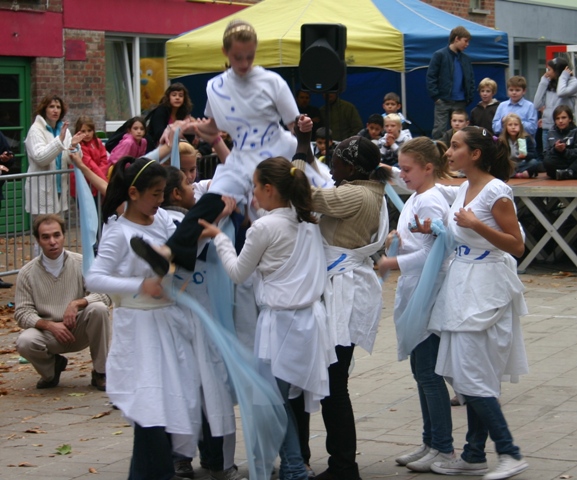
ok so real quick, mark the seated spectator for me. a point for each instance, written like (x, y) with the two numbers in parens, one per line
(482, 115)
(561, 154)
(174, 105)
(459, 120)
(320, 150)
(392, 104)
(522, 147)
(374, 128)
(394, 137)
(56, 312)
(344, 117)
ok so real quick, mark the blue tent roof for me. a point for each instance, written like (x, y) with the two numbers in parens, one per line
(426, 29)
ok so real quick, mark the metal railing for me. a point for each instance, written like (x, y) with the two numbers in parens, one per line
(17, 244)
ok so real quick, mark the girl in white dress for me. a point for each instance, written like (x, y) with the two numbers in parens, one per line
(151, 368)
(422, 162)
(478, 307)
(285, 248)
(249, 102)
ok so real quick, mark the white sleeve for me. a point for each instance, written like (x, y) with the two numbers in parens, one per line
(435, 210)
(39, 151)
(240, 267)
(285, 103)
(103, 276)
(449, 192)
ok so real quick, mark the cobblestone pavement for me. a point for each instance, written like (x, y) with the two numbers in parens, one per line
(541, 409)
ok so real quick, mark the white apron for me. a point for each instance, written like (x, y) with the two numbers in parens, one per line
(353, 294)
(291, 333)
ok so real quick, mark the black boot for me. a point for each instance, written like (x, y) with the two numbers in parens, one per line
(564, 174)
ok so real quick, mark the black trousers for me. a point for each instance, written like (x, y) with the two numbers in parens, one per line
(151, 454)
(183, 241)
(339, 419)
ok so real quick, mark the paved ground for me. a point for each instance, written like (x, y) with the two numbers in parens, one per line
(541, 410)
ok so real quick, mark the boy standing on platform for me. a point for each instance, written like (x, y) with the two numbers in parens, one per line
(450, 79)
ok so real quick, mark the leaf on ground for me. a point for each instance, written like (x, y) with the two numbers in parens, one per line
(65, 408)
(101, 414)
(37, 445)
(64, 449)
(26, 464)
(76, 394)
(92, 470)
(119, 432)
(34, 430)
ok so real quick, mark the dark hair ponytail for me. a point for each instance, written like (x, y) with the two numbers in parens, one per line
(141, 173)
(173, 180)
(495, 154)
(291, 183)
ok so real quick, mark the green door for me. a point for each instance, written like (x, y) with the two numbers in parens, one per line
(14, 124)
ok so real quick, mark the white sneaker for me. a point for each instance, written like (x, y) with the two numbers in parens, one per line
(434, 456)
(230, 474)
(414, 455)
(508, 467)
(459, 467)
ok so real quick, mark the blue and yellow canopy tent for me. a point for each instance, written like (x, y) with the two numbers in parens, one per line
(389, 45)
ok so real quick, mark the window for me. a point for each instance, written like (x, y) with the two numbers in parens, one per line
(476, 6)
(135, 77)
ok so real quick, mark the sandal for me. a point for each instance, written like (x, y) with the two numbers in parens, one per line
(144, 250)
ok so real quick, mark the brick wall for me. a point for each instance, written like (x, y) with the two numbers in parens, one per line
(85, 80)
(81, 83)
(461, 8)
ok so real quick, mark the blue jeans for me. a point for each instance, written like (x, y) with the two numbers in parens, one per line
(484, 418)
(292, 466)
(433, 395)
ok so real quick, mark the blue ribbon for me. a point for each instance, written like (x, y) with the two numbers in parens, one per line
(415, 319)
(394, 196)
(263, 415)
(88, 219)
(220, 286)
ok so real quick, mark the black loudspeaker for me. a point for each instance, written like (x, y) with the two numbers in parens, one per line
(322, 65)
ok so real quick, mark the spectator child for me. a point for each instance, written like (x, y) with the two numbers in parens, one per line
(174, 105)
(133, 143)
(561, 154)
(522, 146)
(459, 120)
(392, 104)
(450, 79)
(94, 155)
(394, 137)
(482, 115)
(517, 103)
(374, 128)
(320, 150)
(557, 87)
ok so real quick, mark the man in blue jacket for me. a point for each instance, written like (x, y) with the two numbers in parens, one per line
(450, 79)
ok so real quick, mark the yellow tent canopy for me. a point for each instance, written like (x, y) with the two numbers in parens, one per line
(371, 39)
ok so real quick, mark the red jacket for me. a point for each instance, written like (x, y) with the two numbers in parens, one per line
(95, 157)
